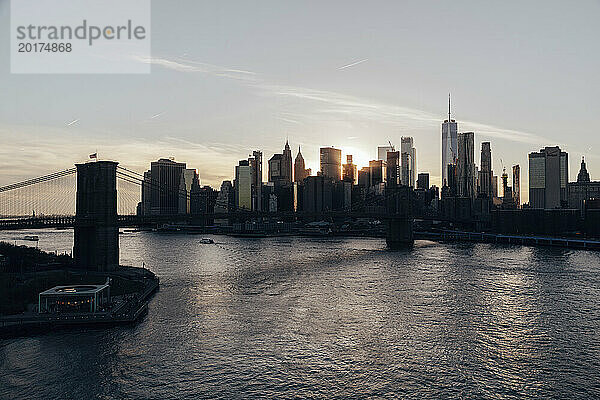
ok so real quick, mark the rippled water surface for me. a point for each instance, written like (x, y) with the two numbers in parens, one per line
(321, 318)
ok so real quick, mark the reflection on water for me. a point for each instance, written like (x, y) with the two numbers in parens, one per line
(332, 318)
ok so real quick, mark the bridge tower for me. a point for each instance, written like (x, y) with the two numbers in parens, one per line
(399, 232)
(96, 234)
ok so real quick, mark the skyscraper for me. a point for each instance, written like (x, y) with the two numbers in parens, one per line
(485, 175)
(409, 162)
(188, 178)
(377, 172)
(393, 172)
(423, 181)
(243, 186)
(286, 163)
(465, 165)
(256, 178)
(382, 152)
(300, 171)
(280, 167)
(548, 177)
(516, 187)
(349, 171)
(331, 163)
(449, 144)
(164, 194)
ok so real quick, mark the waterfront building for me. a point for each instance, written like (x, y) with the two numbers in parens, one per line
(516, 186)
(349, 170)
(165, 175)
(300, 171)
(485, 174)
(331, 163)
(548, 178)
(75, 298)
(465, 165)
(409, 161)
(423, 181)
(225, 201)
(393, 173)
(203, 200)
(318, 194)
(449, 144)
(243, 186)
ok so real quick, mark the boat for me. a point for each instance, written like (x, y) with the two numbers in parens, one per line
(207, 241)
(32, 238)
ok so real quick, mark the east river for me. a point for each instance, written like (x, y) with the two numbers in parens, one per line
(298, 317)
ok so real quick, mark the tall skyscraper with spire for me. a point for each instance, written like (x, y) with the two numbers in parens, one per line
(449, 144)
(286, 163)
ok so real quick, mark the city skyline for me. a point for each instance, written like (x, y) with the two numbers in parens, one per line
(211, 108)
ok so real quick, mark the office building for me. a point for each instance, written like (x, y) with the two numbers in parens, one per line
(449, 144)
(465, 165)
(548, 178)
(494, 186)
(189, 177)
(165, 175)
(486, 174)
(382, 152)
(349, 171)
(377, 172)
(516, 186)
(243, 186)
(393, 173)
(331, 163)
(300, 171)
(408, 155)
(423, 181)
(364, 177)
(581, 192)
(255, 163)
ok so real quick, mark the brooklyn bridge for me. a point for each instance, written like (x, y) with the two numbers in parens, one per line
(97, 198)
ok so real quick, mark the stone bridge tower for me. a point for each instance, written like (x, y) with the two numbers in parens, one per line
(96, 234)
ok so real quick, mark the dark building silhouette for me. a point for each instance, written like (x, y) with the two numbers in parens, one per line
(300, 171)
(393, 175)
(96, 233)
(423, 181)
(165, 178)
(317, 194)
(349, 170)
(485, 174)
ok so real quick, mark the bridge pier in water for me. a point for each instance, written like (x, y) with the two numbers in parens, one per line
(399, 229)
(96, 232)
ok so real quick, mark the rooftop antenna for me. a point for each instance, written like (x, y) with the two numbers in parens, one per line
(449, 108)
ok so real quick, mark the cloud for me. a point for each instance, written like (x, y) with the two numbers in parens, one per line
(329, 102)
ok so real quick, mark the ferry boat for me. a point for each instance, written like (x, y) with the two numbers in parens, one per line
(207, 241)
(31, 238)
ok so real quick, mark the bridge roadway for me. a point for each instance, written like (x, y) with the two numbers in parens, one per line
(68, 221)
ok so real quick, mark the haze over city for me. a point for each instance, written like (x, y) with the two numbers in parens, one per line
(229, 78)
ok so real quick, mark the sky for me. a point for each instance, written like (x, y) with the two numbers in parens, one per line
(231, 77)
